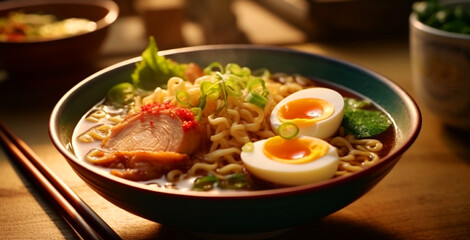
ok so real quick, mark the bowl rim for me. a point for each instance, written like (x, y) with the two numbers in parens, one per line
(415, 116)
(105, 21)
(417, 24)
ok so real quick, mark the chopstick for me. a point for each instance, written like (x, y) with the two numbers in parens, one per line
(73, 209)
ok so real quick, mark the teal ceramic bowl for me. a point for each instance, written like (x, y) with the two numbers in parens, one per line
(245, 212)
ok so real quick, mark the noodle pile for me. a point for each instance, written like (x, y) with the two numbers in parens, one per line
(241, 122)
(238, 123)
(229, 122)
(355, 154)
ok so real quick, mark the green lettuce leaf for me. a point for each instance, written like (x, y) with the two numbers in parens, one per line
(155, 70)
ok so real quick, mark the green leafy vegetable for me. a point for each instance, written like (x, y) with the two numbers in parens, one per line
(235, 181)
(363, 123)
(448, 18)
(205, 183)
(155, 70)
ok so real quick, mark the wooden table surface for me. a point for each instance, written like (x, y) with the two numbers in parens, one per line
(426, 195)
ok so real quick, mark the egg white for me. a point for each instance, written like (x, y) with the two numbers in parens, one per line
(322, 129)
(289, 174)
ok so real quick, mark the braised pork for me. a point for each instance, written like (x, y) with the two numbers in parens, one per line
(151, 142)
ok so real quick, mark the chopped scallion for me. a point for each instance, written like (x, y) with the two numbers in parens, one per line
(183, 98)
(197, 112)
(288, 130)
(214, 65)
(235, 69)
(256, 99)
(205, 183)
(248, 147)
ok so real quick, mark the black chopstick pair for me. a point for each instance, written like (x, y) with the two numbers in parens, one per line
(77, 213)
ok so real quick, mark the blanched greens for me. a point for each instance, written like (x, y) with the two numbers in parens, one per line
(452, 19)
(363, 123)
(235, 181)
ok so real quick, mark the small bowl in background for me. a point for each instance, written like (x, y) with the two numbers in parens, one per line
(26, 59)
(358, 19)
(440, 64)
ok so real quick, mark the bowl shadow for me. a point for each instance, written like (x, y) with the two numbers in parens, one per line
(457, 141)
(331, 227)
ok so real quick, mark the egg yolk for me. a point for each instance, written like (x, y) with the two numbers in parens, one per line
(294, 151)
(305, 111)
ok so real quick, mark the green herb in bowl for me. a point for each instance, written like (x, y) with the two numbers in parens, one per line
(453, 18)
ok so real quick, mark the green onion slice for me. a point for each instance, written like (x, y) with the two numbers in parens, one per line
(197, 112)
(235, 69)
(248, 147)
(183, 98)
(210, 90)
(256, 99)
(288, 130)
(257, 92)
(205, 183)
(232, 88)
(223, 91)
(257, 85)
(262, 72)
(212, 68)
(235, 181)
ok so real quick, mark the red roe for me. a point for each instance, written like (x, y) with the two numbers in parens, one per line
(186, 116)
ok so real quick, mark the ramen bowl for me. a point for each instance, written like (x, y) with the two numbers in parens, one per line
(48, 56)
(240, 212)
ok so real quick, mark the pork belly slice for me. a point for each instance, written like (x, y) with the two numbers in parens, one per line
(142, 165)
(155, 131)
(150, 143)
(193, 72)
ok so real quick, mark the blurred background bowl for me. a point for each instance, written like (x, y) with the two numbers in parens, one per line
(345, 20)
(247, 212)
(24, 60)
(358, 19)
(440, 65)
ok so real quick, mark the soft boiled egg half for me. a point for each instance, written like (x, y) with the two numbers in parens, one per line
(306, 158)
(297, 161)
(317, 112)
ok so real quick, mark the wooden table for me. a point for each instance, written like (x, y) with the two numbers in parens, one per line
(426, 196)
